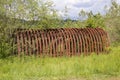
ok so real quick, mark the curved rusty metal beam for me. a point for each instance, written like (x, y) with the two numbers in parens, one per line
(59, 42)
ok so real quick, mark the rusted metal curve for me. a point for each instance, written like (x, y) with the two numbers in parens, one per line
(62, 41)
(77, 41)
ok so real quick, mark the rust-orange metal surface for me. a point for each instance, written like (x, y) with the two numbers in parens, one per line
(62, 41)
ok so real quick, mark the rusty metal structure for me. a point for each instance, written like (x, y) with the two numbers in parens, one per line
(62, 41)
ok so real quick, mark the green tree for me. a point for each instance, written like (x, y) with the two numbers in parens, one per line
(112, 21)
(91, 20)
(23, 14)
(96, 20)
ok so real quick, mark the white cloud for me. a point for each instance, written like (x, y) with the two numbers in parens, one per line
(76, 5)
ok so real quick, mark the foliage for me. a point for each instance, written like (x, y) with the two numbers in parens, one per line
(6, 40)
(23, 14)
(92, 20)
(90, 67)
(42, 14)
(112, 21)
(95, 21)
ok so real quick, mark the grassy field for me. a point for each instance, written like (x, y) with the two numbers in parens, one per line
(93, 67)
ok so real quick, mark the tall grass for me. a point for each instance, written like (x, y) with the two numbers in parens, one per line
(35, 68)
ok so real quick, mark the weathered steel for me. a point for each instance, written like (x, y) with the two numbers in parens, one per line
(63, 41)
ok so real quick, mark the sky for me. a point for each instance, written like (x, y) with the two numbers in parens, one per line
(75, 6)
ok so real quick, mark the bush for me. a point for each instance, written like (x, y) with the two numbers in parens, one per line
(6, 42)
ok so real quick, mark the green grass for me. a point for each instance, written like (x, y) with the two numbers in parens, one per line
(93, 67)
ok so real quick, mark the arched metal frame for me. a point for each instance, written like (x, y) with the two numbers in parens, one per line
(62, 41)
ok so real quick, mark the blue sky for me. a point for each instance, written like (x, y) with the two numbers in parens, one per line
(75, 6)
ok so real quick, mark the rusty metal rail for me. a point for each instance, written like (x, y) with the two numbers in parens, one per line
(63, 41)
